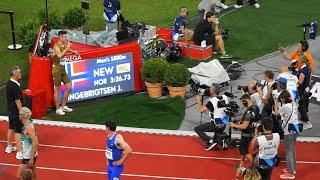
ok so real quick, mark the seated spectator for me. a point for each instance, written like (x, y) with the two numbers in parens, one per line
(252, 2)
(179, 28)
(302, 48)
(204, 32)
(206, 6)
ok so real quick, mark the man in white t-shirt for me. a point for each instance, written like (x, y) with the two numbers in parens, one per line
(292, 81)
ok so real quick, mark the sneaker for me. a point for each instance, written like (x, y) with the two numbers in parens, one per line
(60, 112)
(285, 170)
(10, 149)
(226, 56)
(287, 176)
(306, 125)
(257, 5)
(210, 146)
(19, 155)
(224, 6)
(67, 109)
(237, 6)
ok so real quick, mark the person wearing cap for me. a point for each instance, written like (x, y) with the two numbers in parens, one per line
(30, 143)
(292, 81)
(179, 27)
(247, 127)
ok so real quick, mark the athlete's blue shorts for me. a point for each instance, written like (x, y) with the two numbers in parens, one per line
(114, 172)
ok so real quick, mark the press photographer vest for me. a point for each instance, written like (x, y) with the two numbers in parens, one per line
(218, 116)
(268, 151)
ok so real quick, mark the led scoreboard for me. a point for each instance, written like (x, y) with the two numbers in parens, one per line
(100, 76)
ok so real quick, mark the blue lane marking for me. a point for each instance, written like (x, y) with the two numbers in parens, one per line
(5, 167)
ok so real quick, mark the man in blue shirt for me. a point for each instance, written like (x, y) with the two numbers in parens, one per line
(111, 13)
(117, 151)
(179, 26)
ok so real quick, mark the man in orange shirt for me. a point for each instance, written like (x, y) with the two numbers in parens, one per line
(302, 48)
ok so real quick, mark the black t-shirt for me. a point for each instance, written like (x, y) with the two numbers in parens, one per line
(251, 115)
(13, 93)
(203, 29)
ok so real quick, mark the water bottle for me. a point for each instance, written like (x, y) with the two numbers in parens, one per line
(203, 43)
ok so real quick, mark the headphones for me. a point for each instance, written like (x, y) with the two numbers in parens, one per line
(184, 9)
(304, 45)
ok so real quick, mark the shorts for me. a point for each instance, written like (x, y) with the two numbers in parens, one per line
(15, 124)
(114, 172)
(59, 75)
(26, 161)
(244, 145)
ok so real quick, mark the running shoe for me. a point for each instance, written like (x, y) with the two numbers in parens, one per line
(60, 112)
(224, 6)
(287, 176)
(210, 146)
(307, 125)
(226, 56)
(19, 155)
(257, 5)
(10, 149)
(285, 170)
(237, 6)
(66, 109)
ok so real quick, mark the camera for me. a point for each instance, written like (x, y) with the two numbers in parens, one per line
(274, 86)
(231, 109)
(292, 68)
(244, 88)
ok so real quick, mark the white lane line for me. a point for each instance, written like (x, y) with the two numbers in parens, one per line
(104, 173)
(159, 154)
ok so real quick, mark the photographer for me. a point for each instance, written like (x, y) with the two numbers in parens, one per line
(302, 48)
(292, 81)
(204, 32)
(304, 81)
(247, 127)
(218, 117)
(264, 90)
(252, 90)
(287, 110)
(265, 146)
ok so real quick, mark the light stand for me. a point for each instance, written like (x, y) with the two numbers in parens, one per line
(13, 46)
(85, 6)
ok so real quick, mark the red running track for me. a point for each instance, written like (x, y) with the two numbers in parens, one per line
(74, 153)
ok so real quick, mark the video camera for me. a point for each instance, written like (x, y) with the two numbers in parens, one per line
(232, 107)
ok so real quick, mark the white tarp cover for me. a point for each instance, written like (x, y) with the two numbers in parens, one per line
(209, 73)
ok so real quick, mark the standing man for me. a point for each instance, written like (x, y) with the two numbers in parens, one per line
(111, 13)
(14, 105)
(30, 144)
(204, 32)
(117, 151)
(59, 72)
(179, 27)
